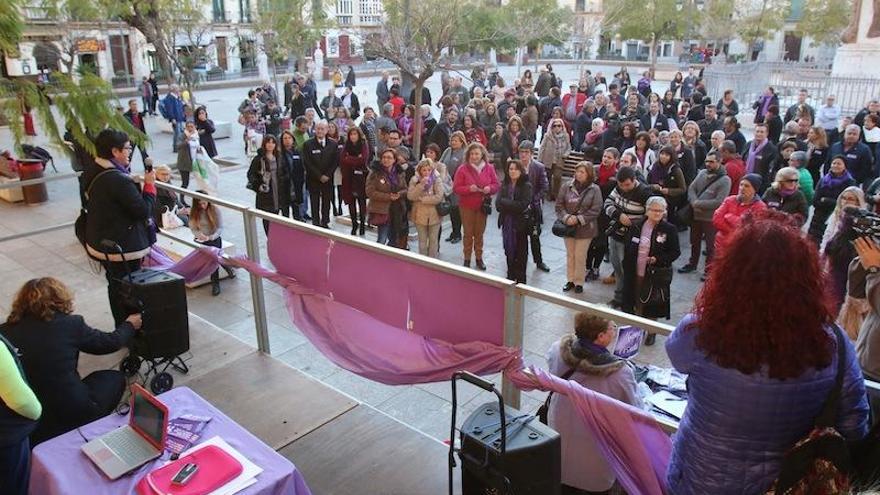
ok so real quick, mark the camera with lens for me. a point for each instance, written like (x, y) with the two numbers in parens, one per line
(861, 223)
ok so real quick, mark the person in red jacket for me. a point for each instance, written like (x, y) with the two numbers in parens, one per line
(733, 165)
(572, 103)
(397, 102)
(354, 161)
(475, 183)
(729, 215)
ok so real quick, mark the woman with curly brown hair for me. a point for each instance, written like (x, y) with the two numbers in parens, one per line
(759, 365)
(50, 337)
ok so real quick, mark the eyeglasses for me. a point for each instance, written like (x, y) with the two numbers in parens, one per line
(128, 148)
(788, 181)
(557, 125)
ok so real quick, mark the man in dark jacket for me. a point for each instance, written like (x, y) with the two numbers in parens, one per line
(320, 160)
(709, 124)
(856, 154)
(610, 137)
(330, 103)
(624, 206)
(136, 117)
(538, 178)
(732, 133)
(272, 118)
(546, 106)
(426, 96)
(654, 119)
(383, 94)
(310, 94)
(119, 227)
(760, 156)
(442, 131)
(800, 107)
(351, 102)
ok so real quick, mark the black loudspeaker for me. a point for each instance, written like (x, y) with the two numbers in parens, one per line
(161, 297)
(531, 462)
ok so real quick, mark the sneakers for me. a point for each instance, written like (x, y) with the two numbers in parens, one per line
(567, 287)
(578, 289)
(543, 267)
(592, 274)
(609, 280)
(687, 268)
(481, 266)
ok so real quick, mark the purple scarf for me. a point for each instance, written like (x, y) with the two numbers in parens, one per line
(750, 162)
(659, 173)
(429, 184)
(766, 105)
(831, 181)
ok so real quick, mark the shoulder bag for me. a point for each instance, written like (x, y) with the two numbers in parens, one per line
(685, 214)
(560, 228)
(544, 410)
(79, 227)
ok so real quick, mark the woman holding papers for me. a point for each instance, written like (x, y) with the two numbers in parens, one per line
(759, 368)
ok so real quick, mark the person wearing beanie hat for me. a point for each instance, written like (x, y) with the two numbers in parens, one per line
(728, 216)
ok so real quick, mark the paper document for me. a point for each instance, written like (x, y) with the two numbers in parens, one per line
(249, 470)
(668, 403)
(629, 341)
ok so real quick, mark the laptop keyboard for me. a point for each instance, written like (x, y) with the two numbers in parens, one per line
(129, 446)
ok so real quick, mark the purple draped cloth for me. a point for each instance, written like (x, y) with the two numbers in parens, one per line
(637, 450)
(195, 266)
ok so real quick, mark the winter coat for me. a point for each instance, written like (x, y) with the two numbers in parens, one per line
(355, 168)
(452, 159)
(704, 196)
(796, 204)
(729, 215)
(765, 163)
(858, 160)
(266, 201)
(549, 154)
(465, 176)
(319, 161)
(583, 464)
(588, 213)
(824, 203)
(515, 206)
(631, 204)
(540, 186)
(206, 139)
(424, 203)
(379, 190)
(664, 247)
(737, 427)
(50, 355)
(118, 211)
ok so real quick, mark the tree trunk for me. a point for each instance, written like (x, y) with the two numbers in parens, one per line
(653, 52)
(418, 124)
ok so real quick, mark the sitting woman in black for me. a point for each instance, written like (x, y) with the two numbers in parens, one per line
(49, 337)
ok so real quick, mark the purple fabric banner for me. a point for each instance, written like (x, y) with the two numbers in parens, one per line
(631, 440)
(195, 266)
(410, 296)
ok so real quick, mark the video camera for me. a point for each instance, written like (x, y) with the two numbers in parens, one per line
(861, 223)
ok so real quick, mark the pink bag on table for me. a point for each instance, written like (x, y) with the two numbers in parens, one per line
(216, 468)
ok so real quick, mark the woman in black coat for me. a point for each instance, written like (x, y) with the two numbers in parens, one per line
(648, 269)
(49, 338)
(291, 161)
(270, 179)
(513, 205)
(205, 127)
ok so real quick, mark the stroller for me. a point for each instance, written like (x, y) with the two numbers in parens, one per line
(160, 297)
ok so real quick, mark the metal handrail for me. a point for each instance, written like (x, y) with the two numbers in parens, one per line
(40, 180)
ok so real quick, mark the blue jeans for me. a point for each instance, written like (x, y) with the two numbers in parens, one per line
(384, 232)
(615, 254)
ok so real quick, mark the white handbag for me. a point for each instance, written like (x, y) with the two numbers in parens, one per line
(170, 220)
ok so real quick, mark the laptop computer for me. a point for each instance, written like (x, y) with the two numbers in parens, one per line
(133, 445)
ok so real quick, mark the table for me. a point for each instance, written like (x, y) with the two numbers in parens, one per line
(59, 467)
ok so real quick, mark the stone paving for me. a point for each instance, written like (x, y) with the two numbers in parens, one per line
(425, 407)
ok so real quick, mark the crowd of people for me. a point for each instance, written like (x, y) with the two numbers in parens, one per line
(644, 169)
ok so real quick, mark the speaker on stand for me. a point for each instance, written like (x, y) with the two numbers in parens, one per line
(503, 451)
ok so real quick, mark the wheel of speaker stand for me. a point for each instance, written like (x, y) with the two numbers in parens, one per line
(130, 365)
(162, 382)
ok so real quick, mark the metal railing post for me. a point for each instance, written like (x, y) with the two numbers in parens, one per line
(258, 297)
(514, 319)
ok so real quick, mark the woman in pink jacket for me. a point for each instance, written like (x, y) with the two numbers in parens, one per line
(475, 183)
(729, 215)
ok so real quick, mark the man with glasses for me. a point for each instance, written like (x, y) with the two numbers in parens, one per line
(705, 195)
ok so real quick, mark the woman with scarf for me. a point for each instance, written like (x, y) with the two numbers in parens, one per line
(426, 192)
(386, 190)
(651, 249)
(578, 205)
(828, 192)
(555, 147)
(584, 123)
(785, 195)
(513, 204)
(453, 157)
(406, 124)
(291, 161)
(269, 179)
(475, 182)
(488, 117)
(675, 84)
(515, 134)
(641, 149)
(667, 179)
(836, 246)
(762, 105)
(343, 121)
(472, 132)
(584, 358)
(591, 147)
(354, 162)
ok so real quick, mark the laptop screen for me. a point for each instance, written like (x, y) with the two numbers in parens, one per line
(148, 418)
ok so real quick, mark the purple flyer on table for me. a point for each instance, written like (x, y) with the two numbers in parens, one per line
(629, 341)
(184, 432)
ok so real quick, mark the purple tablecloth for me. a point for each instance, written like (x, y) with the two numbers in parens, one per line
(60, 467)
